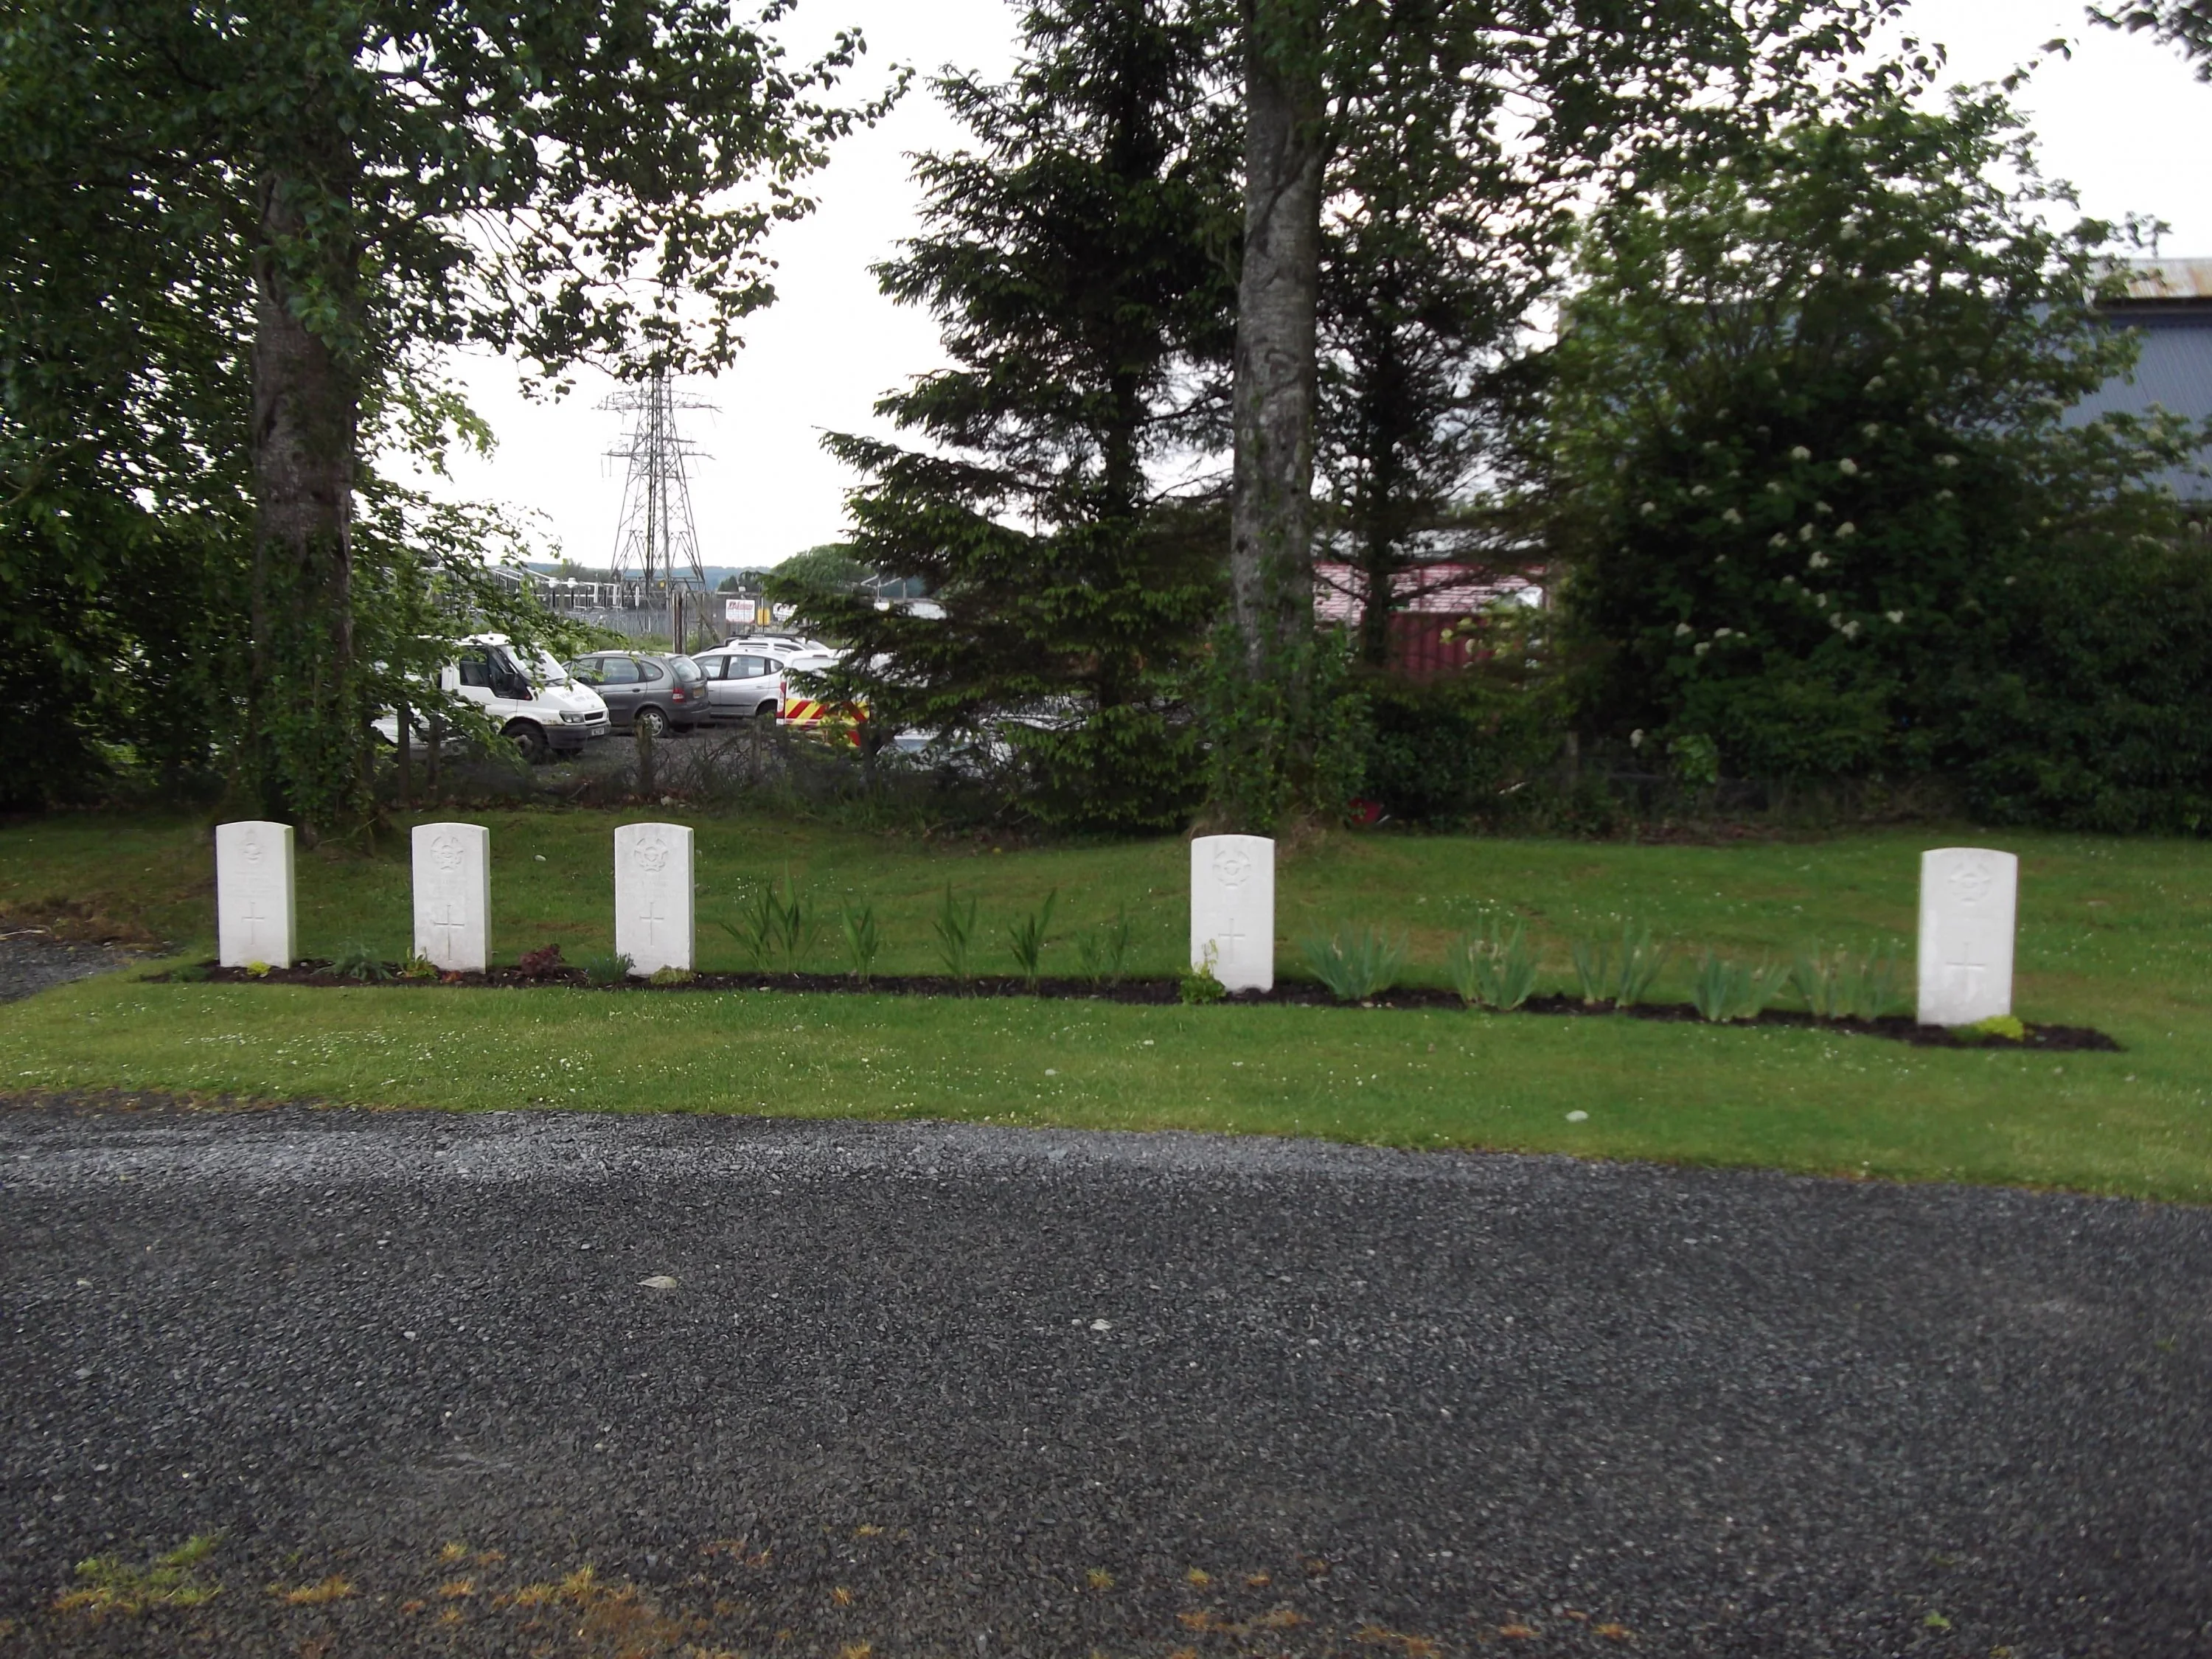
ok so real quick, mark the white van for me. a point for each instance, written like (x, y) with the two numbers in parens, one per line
(541, 710)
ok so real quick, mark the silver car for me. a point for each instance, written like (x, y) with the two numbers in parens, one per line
(743, 683)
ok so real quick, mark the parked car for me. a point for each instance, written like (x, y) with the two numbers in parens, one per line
(646, 691)
(540, 710)
(743, 683)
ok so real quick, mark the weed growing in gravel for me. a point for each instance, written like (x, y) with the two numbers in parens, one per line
(1026, 938)
(110, 1584)
(1104, 950)
(332, 1588)
(418, 967)
(1492, 970)
(955, 928)
(671, 976)
(862, 939)
(1356, 967)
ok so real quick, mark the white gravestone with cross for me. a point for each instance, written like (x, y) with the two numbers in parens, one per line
(253, 894)
(1232, 910)
(1969, 904)
(453, 896)
(652, 895)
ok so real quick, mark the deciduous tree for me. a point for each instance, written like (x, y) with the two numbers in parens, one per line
(373, 180)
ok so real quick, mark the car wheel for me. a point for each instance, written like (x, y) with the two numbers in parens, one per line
(649, 723)
(767, 712)
(528, 739)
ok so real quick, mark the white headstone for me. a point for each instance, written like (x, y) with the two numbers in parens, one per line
(1969, 904)
(652, 895)
(253, 894)
(1232, 910)
(453, 896)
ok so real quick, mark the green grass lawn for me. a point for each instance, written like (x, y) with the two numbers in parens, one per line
(2113, 934)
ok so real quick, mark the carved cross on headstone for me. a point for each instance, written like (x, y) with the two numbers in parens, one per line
(1231, 937)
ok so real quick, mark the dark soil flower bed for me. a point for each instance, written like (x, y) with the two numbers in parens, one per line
(1896, 1027)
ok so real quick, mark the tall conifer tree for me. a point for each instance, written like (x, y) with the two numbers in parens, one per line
(1076, 262)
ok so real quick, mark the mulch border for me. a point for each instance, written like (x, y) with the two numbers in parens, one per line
(1155, 993)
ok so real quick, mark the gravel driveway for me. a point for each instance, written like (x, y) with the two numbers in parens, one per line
(31, 962)
(918, 1389)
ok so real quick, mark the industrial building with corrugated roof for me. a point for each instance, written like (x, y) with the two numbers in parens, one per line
(2169, 302)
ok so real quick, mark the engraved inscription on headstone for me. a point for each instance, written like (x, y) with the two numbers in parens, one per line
(253, 894)
(1969, 902)
(1232, 910)
(652, 895)
(453, 896)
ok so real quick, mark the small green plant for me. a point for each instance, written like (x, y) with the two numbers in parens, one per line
(608, 968)
(1199, 985)
(955, 928)
(107, 1584)
(418, 967)
(1104, 950)
(778, 927)
(356, 960)
(1838, 985)
(1998, 1028)
(1621, 975)
(1358, 966)
(1726, 990)
(862, 941)
(257, 970)
(1026, 938)
(190, 973)
(671, 976)
(1490, 971)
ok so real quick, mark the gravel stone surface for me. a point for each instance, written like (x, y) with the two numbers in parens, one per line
(32, 962)
(880, 1390)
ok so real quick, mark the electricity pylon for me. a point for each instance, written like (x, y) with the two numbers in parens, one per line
(655, 536)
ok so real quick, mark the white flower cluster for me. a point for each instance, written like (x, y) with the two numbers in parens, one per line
(1848, 467)
(1817, 562)
(1801, 453)
(1732, 517)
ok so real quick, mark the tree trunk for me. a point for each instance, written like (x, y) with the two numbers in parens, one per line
(306, 411)
(1278, 298)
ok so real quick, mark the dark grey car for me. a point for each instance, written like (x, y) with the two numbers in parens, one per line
(644, 690)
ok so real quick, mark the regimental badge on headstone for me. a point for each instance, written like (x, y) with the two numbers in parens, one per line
(1232, 910)
(253, 894)
(652, 895)
(1969, 906)
(453, 896)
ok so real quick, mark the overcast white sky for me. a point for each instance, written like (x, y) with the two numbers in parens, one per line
(2124, 120)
